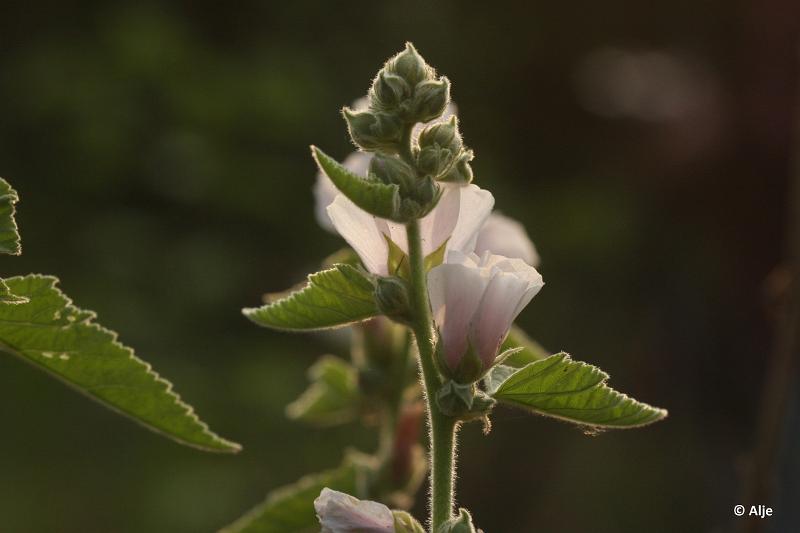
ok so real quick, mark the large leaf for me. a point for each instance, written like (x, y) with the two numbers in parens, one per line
(335, 297)
(9, 237)
(575, 392)
(372, 196)
(290, 509)
(332, 397)
(54, 335)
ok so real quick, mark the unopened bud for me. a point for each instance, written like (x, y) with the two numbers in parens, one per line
(388, 91)
(405, 523)
(460, 171)
(430, 99)
(410, 66)
(390, 169)
(460, 524)
(373, 130)
(443, 134)
(391, 295)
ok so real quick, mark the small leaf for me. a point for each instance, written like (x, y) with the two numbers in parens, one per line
(372, 196)
(531, 350)
(496, 376)
(290, 509)
(332, 397)
(575, 392)
(52, 334)
(9, 237)
(332, 298)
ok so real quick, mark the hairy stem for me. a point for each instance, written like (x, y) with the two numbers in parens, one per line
(442, 428)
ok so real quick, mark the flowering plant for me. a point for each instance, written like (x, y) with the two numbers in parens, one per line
(431, 284)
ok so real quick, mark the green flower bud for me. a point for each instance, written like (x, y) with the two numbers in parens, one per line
(460, 171)
(410, 66)
(405, 523)
(430, 99)
(391, 169)
(391, 295)
(388, 91)
(460, 524)
(373, 130)
(440, 145)
(442, 134)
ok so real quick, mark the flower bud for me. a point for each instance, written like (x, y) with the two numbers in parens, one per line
(444, 134)
(405, 523)
(461, 171)
(390, 169)
(388, 91)
(373, 130)
(391, 295)
(410, 66)
(440, 145)
(430, 99)
(460, 524)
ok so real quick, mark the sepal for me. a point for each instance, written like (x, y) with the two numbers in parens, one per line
(405, 523)
(464, 402)
(374, 130)
(460, 524)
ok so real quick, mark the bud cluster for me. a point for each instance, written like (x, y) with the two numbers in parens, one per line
(442, 154)
(405, 91)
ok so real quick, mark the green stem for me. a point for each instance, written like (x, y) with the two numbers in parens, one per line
(442, 428)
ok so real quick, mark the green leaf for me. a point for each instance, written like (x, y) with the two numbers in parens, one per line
(332, 397)
(575, 392)
(7, 297)
(531, 350)
(372, 196)
(290, 509)
(9, 237)
(54, 335)
(332, 298)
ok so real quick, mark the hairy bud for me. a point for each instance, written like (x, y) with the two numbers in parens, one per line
(430, 99)
(391, 295)
(460, 524)
(391, 169)
(410, 66)
(388, 91)
(460, 171)
(373, 130)
(440, 146)
(405, 523)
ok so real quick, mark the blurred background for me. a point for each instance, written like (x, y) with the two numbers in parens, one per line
(161, 154)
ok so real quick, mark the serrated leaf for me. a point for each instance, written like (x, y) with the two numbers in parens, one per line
(7, 297)
(575, 392)
(336, 297)
(9, 236)
(54, 335)
(531, 350)
(290, 509)
(332, 397)
(372, 196)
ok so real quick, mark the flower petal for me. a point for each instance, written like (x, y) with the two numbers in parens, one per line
(455, 291)
(361, 231)
(341, 513)
(474, 208)
(505, 236)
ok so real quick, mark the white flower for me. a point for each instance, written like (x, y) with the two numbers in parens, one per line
(475, 300)
(458, 216)
(502, 235)
(357, 163)
(341, 513)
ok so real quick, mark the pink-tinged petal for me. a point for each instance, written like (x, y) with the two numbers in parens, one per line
(360, 230)
(455, 291)
(341, 513)
(475, 205)
(505, 236)
(440, 223)
(512, 286)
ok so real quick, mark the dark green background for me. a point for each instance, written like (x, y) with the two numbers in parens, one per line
(161, 153)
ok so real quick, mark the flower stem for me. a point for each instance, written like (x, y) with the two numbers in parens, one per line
(442, 428)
